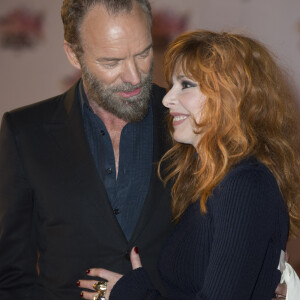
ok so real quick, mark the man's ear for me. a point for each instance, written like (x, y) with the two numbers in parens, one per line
(71, 55)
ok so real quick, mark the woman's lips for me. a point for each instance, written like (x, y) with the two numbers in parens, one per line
(178, 119)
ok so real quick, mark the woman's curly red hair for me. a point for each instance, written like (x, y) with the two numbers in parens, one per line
(249, 111)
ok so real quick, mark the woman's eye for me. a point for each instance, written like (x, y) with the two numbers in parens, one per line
(187, 84)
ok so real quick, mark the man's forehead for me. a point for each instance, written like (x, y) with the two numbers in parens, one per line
(97, 20)
(118, 36)
(119, 53)
(99, 13)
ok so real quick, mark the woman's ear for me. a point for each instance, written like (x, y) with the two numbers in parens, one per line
(71, 55)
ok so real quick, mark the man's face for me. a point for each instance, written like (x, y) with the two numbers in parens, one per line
(117, 61)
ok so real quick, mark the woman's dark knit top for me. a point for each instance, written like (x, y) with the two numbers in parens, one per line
(230, 253)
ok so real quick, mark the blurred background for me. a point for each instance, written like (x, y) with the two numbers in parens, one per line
(33, 65)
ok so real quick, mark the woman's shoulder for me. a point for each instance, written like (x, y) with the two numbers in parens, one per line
(249, 183)
(252, 171)
(249, 193)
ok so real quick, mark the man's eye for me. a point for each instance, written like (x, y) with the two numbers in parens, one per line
(110, 65)
(145, 54)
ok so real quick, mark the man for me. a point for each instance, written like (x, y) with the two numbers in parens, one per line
(78, 172)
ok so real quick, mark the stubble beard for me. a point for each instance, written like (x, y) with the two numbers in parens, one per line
(132, 109)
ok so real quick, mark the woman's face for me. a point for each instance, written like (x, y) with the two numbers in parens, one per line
(185, 102)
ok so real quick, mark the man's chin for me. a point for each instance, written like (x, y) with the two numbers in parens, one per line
(132, 115)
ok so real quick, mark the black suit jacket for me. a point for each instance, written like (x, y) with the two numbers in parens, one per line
(52, 201)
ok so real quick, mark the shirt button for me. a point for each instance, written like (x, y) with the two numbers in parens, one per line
(116, 211)
(108, 170)
(102, 132)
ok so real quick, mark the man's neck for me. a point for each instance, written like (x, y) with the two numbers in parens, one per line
(112, 122)
(114, 126)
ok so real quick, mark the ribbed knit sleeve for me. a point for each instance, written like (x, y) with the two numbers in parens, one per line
(245, 214)
(134, 285)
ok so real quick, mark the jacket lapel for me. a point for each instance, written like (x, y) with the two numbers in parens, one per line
(66, 127)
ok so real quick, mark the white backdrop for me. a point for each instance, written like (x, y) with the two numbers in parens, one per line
(37, 73)
(33, 74)
(276, 23)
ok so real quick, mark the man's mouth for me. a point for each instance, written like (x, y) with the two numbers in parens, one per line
(130, 94)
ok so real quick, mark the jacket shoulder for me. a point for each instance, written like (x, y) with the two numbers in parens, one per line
(44, 110)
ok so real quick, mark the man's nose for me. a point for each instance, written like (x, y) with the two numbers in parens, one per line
(131, 73)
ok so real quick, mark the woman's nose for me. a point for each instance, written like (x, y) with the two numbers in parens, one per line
(168, 100)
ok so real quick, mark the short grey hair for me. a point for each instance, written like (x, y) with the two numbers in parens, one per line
(74, 11)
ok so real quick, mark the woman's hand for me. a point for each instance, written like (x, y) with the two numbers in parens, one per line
(280, 291)
(111, 277)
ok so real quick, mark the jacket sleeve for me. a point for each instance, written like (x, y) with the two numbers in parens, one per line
(18, 254)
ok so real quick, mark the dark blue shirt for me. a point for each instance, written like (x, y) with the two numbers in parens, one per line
(128, 191)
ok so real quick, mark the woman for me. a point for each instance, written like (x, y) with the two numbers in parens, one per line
(234, 168)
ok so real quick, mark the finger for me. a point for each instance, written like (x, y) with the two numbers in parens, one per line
(281, 289)
(102, 273)
(107, 294)
(91, 295)
(86, 284)
(286, 257)
(135, 258)
(88, 295)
